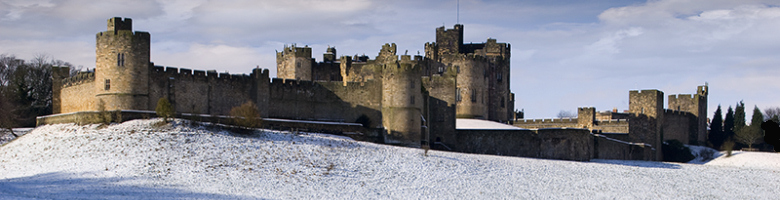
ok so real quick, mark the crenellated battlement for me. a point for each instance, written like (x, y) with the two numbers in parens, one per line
(78, 79)
(681, 96)
(210, 75)
(117, 23)
(294, 51)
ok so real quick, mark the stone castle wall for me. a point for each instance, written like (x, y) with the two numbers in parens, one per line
(441, 106)
(78, 96)
(203, 92)
(325, 101)
(566, 144)
(679, 126)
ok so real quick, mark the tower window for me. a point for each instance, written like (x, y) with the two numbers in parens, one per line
(502, 102)
(412, 100)
(120, 59)
(457, 95)
(108, 84)
(473, 95)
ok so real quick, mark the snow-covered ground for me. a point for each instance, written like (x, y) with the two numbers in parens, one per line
(138, 160)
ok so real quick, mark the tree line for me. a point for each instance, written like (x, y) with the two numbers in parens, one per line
(732, 132)
(26, 89)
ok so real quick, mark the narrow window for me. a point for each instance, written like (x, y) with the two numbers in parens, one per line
(500, 76)
(441, 69)
(502, 102)
(108, 84)
(642, 111)
(412, 85)
(412, 99)
(298, 65)
(457, 95)
(473, 95)
(120, 59)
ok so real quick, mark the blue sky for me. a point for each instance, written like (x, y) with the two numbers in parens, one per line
(565, 54)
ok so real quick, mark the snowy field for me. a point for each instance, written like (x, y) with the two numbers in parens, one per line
(138, 160)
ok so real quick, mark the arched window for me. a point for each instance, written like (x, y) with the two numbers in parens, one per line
(120, 59)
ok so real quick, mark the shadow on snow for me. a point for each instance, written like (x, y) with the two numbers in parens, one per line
(70, 186)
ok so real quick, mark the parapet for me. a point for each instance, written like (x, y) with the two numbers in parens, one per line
(78, 79)
(183, 73)
(680, 96)
(295, 51)
(117, 23)
(650, 91)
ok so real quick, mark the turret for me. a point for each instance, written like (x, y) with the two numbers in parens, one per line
(294, 63)
(402, 99)
(122, 66)
(449, 41)
(57, 76)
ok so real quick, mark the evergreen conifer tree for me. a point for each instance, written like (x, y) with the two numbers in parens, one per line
(716, 135)
(728, 124)
(739, 116)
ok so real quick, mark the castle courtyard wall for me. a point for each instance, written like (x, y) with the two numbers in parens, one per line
(566, 144)
(199, 92)
(78, 97)
(325, 100)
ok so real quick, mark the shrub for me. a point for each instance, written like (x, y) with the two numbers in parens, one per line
(246, 115)
(164, 109)
(675, 151)
(728, 146)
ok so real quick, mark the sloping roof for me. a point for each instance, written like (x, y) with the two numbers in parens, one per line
(478, 124)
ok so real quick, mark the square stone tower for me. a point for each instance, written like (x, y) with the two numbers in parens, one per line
(646, 108)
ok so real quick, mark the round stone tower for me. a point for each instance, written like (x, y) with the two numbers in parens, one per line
(402, 100)
(122, 67)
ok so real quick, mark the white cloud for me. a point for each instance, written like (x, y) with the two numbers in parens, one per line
(234, 59)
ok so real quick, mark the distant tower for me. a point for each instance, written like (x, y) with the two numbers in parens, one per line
(294, 63)
(697, 105)
(646, 108)
(122, 66)
(402, 100)
(701, 97)
(449, 41)
(58, 74)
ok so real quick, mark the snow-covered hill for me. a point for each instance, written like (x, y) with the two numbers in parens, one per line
(138, 160)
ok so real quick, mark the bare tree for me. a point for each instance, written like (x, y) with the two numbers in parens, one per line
(772, 113)
(566, 114)
(26, 88)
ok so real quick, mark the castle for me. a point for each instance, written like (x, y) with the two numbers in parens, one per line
(409, 100)
(408, 97)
